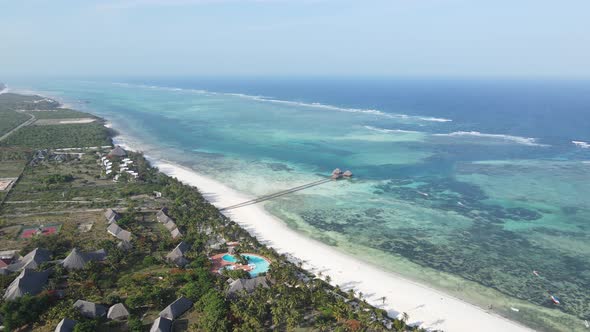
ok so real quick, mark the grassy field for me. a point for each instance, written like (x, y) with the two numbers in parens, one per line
(10, 169)
(10, 119)
(85, 190)
(60, 113)
(59, 136)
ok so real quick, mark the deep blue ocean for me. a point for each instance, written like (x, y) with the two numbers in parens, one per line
(467, 185)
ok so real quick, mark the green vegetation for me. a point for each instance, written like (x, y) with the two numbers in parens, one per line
(59, 136)
(13, 101)
(10, 120)
(57, 178)
(22, 311)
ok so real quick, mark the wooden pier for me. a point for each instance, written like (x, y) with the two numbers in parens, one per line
(337, 174)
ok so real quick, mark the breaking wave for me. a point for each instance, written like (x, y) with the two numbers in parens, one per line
(507, 138)
(498, 137)
(581, 144)
(295, 103)
(401, 131)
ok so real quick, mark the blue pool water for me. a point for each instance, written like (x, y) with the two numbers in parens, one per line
(261, 264)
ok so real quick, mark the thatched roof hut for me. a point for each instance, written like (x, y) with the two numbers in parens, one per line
(176, 308)
(111, 216)
(90, 309)
(32, 260)
(176, 256)
(124, 245)
(28, 282)
(119, 232)
(66, 325)
(176, 233)
(117, 152)
(247, 285)
(77, 260)
(161, 324)
(118, 311)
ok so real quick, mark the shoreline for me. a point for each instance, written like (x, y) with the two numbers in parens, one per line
(427, 307)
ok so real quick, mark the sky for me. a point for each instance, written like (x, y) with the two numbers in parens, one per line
(391, 38)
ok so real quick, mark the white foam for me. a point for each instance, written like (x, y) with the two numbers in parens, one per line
(507, 138)
(581, 144)
(295, 103)
(387, 131)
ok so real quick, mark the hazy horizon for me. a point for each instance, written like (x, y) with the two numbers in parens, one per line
(287, 38)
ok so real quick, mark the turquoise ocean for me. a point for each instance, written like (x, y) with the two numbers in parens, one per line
(466, 185)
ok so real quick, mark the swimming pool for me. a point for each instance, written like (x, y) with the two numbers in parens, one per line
(259, 264)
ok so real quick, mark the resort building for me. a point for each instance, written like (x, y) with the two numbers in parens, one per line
(176, 256)
(119, 232)
(337, 173)
(216, 242)
(164, 219)
(124, 245)
(118, 312)
(117, 152)
(176, 233)
(7, 257)
(112, 216)
(32, 260)
(89, 309)
(66, 325)
(246, 285)
(28, 282)
(161, 324)
(176, 308)
(77, 260)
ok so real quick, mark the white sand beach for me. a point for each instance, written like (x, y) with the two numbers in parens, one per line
(427, 307)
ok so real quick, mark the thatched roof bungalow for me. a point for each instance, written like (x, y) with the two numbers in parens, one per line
(118, 311)
(77, 260)
(176, 308)
(161, 324)
(28, 282)
(32, 260)
(119, 232)
(247, 285)
(337, 173)
(66, 325)
(176, 256)
(112, 216)
(117, 152)
(89, 309)
(176, 233)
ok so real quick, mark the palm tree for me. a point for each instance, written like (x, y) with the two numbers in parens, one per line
(323, 325)
(351, 293)
(405, 317)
